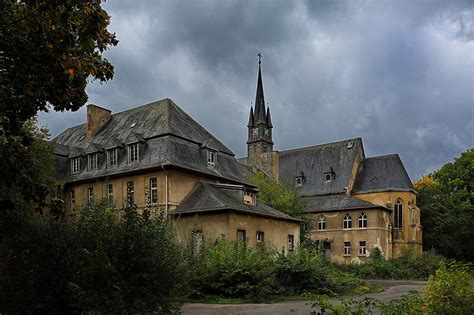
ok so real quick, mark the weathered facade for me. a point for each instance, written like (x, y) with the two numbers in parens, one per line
(353, 203)
(161, 158)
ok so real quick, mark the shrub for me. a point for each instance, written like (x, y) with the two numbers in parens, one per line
(95, 265)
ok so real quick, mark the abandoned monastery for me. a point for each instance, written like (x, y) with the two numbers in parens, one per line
(157, 156)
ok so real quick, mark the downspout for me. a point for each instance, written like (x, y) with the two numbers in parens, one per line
(166, 188)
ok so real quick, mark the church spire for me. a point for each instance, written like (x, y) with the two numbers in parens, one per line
(259, 97)
(251, 119)
(269, 118)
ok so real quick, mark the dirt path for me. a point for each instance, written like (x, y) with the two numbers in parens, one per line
(393, 290)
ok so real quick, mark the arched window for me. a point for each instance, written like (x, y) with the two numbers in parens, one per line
(347, 222)
(362, 220)
(398, 214)
(322, 223)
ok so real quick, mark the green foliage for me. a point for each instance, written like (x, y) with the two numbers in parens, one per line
(50, 50)
(231, 270)
(98, 264)
(447, 208)
(448, 292)
(408, 266)
(281, 196)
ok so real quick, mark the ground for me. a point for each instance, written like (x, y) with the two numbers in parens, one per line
(393, 289)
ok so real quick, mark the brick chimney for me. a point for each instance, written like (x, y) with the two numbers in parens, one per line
(96, 118)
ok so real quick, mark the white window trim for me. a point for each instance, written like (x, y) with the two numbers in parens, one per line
(75, 165)
(363, 249)
(133, 153)
(252, 196)
(347, 220)
(153, 190)
(347, 249)
(92, 161)
(322, 223)
(260, 236)
(362, 219)
(112, 155)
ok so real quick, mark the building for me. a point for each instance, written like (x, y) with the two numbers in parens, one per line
(157, 156)
(353, 203)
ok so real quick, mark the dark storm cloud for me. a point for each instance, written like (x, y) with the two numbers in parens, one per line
(398, 73)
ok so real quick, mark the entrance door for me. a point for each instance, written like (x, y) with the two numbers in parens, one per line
(327, 250)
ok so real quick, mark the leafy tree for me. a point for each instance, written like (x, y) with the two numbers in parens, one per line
(446, 199)
(48, 51)
(281, 196)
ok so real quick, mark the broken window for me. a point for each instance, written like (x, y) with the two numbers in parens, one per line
(300, 179)
(249, 198)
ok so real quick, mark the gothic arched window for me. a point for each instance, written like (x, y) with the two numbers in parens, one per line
(362, 220)
(398, 214)
(347, 222)
(322, 223)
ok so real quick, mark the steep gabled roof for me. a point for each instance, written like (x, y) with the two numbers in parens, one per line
(336, 203)
(208, 197)
(314, 162)
(150, 120)
(382, 173)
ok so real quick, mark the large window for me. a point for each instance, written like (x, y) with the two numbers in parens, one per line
(347, 248)
(112, 157)
(398, 214)
(362, 220)
(92, 161)
(211, 158)
(291, 242)
(75, 165)
(362, 248)
(110, 195)
(133, 153)
(130, 192)
(347, 222)
(322, 223)
(153, 191)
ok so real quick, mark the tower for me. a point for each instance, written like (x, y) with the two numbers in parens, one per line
(259, 143)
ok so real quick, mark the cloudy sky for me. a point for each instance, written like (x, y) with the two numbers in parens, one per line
(399, 74)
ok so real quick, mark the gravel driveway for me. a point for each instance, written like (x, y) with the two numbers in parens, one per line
(393, 289)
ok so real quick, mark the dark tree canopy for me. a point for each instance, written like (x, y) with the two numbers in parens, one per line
(49, 50)
(446, 200)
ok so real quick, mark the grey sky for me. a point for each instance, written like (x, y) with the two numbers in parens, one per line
(400, 74)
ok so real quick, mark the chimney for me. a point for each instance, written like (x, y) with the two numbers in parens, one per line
(96, 118)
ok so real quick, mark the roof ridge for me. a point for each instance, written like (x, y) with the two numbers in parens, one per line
(321, 145)
(383, 156)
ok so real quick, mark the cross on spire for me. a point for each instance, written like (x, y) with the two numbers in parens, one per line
(259, 58)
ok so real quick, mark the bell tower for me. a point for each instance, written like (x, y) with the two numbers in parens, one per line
(259, 128)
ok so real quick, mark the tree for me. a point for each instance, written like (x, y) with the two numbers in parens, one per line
(281, 196)
(49, 49)
(446, 199)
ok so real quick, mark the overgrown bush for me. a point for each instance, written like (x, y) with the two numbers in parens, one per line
(408, 266)
(448, 292)
(97, 264)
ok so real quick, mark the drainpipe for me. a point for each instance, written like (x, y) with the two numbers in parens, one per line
(166, 188)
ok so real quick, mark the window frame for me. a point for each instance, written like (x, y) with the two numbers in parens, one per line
(211, 158)
(130, 192)
(252, 196)
(362, 248)
(241, 236)
(291, 242)
(153, 190)
(260, 236)
(110, 194)
(75, 165)
(362, 221)
(133, 151)
(90, 196)
(347, 248)
(347, 222)
(112, 156)
(398, 214)
(322, 223)
(92, 162)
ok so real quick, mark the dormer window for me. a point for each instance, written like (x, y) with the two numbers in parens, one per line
(92, 161)
(329, 175)
(211, 158)
(112, 157)
(75, 165)
(133, 153)
(300, 179)
(250, 198)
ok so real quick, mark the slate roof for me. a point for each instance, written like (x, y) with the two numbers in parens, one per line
(313, 162)
(382, 173)
(208, 197)
(336, 203)
(168, 137)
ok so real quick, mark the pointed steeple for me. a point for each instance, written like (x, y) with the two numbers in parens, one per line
(269, 118)
(259, 97)
(251, 119)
